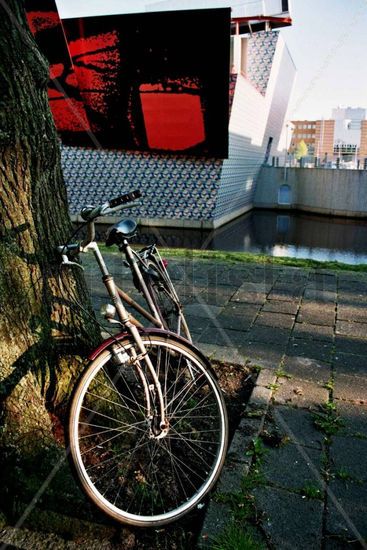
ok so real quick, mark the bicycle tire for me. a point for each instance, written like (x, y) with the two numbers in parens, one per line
(163, 296)
(137, 479)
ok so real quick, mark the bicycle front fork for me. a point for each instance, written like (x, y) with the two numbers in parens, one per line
(156, 419)
(139, 354)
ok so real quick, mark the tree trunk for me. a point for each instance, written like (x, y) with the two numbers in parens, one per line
(42, 335)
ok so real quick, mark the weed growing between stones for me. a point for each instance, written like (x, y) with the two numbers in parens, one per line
(236, 538)
(327, 420)
(312, 491)
(243, 532)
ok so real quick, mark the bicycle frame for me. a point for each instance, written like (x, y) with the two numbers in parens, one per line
(134, 265)
(125, 320)
(108, 281)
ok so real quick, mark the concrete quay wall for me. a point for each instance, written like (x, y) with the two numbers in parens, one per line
(334, 192)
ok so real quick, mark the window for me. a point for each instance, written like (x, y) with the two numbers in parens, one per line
(283, 223)
(268, 149)
(284, 194)
(244, 56)
(231, 58)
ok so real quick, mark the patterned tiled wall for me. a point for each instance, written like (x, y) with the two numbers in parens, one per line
(232, 89)
(238, 178)
(260, 52)
(173, 186)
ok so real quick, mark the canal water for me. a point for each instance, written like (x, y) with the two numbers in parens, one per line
(275, 233)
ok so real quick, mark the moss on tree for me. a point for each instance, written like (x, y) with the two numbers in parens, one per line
(42, 335)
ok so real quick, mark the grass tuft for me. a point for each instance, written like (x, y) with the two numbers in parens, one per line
(327, 419)
(235, 537)
(312, 491)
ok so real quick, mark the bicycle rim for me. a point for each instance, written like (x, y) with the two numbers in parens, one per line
(131, 475)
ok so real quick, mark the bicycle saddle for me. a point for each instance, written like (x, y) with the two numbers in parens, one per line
(122, 230)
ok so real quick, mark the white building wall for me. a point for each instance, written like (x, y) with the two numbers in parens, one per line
(254, 119)
(245, 8)
(195, 191)
(331, 192)
(246, 134)
(284, 76)
(348, 125)
(224, 189)
(85, 8)
(249, 113)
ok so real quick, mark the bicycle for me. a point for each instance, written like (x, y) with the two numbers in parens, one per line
(148, 428)
(150, 276)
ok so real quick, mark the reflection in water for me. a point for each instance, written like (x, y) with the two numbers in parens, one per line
(297, 235)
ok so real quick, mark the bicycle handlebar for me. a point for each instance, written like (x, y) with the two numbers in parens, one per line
(124, 199)
(89, 213)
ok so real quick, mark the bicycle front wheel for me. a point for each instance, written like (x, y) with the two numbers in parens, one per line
(127, 469)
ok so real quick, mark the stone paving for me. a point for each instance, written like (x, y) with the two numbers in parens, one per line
(307, 330)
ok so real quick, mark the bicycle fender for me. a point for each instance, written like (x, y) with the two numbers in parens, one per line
(177, 338)
(106, 344)
(154, 332)
(121, 335)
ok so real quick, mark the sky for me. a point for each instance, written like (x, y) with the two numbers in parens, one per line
(327, 41)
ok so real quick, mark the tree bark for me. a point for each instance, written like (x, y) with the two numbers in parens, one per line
(42, 335)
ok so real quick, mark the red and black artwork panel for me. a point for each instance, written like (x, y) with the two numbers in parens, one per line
(63, 91)
(151, 82)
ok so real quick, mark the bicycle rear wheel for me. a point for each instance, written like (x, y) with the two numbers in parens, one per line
(130, 472)
(165, 298)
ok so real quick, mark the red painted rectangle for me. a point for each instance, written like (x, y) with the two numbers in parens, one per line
(172, 121)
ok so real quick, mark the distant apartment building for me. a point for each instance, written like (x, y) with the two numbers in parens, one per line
(318, 135)
(344, 136)
(363, 145)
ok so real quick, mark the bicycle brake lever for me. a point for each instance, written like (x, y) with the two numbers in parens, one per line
(67, 262)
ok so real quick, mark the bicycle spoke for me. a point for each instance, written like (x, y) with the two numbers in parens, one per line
(100, 444)
(174, 468)
(112, 402)
(94, 434)
(93, 412)
(184, 392)
(188, 444)
(185, 465)
(131, 469)
(122, 397)
(93, 466)
(198, 442)
(198, 406)
(149, 485)
(113, 479)
(179, 463)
